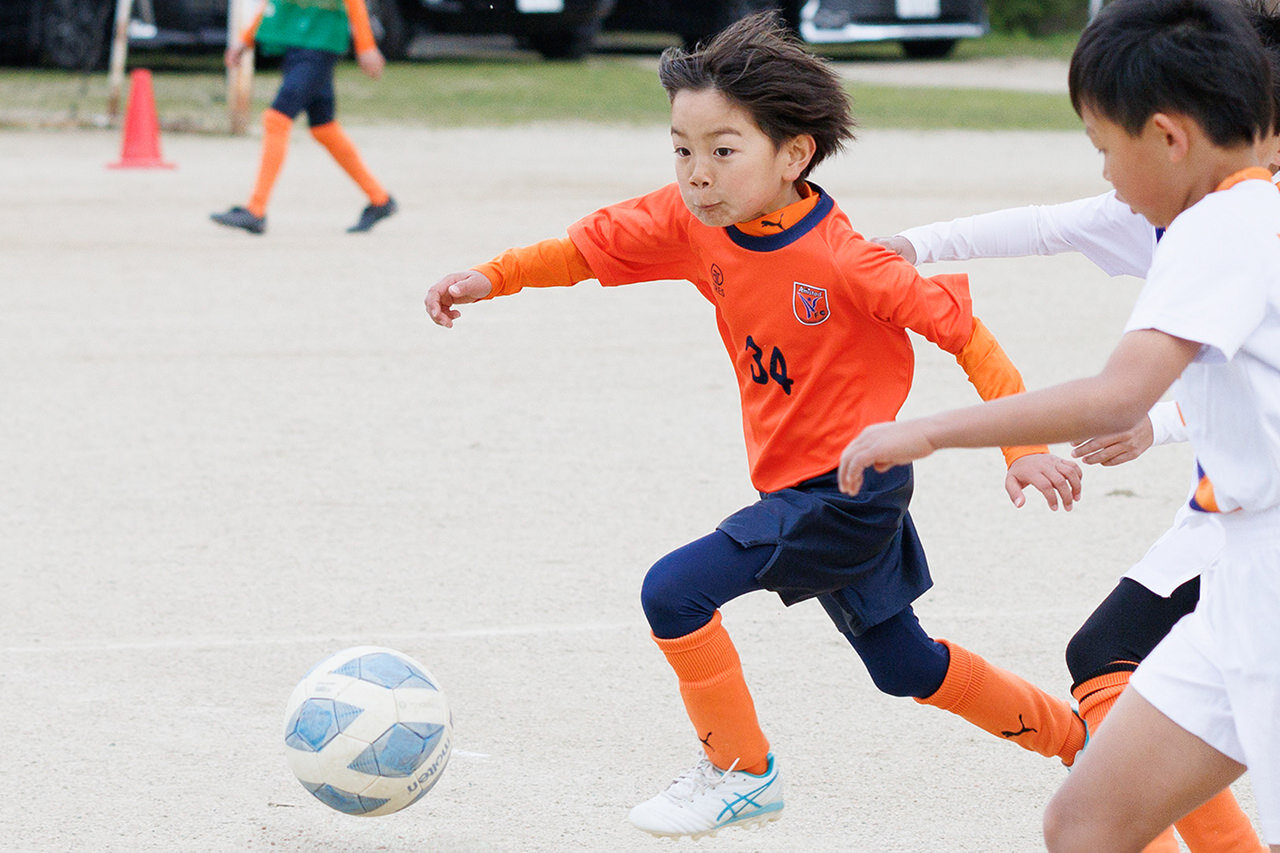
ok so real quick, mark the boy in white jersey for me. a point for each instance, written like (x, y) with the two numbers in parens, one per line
(1175, 93)
(1164, 585)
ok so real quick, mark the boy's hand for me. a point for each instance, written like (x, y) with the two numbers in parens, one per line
(1055, 478)
(900, 245)
(457, 288)
(371, 62)
(881, 446)
(234, 54)
(1114, 449)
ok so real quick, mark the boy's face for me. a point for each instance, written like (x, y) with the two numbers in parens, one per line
(1137, 166)
(729, 171)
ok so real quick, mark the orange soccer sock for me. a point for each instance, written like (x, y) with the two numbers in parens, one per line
(1218, 826)
(716, 697)
(275, 144)
(1007, 706)
(335, 139)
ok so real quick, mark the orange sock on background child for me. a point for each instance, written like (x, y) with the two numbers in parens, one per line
(276, 127)
(312, 37)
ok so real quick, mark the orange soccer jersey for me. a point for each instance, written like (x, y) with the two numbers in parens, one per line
(814, 318)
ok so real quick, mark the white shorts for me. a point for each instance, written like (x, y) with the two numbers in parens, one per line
(1217, 673)
(1186, 549)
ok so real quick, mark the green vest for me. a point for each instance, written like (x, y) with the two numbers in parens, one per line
(317, 24)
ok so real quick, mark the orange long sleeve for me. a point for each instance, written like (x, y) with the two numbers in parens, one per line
(247, 34)
(361, 29)
(993, 375)
(550, 263)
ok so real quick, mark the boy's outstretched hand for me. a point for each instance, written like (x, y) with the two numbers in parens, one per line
(1055, 478)
(881, 446)
(1114, 449)
(457, 288)
(901, 245)
(371, 62)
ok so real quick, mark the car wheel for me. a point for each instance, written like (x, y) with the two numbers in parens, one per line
(75, 34)
(390, 28)
(929, 48)
(573, 43)
(717, 15)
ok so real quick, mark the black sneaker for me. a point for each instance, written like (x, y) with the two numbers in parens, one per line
(241, 217)
(372, 215)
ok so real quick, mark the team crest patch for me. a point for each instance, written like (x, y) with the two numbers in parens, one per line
(809, 303)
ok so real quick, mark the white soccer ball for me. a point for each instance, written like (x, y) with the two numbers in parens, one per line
(368, 731)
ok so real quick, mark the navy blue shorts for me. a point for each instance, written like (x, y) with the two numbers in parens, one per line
(859, 555)
(307, 84)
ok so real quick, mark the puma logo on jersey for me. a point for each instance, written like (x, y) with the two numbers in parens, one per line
(764, 223)
(809, 303)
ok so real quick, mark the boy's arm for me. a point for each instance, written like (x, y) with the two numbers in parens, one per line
(241, 45)
(1101, 228)
(1139, 371)
(551, 263)
(1167, 424)
(368, 57)
(1162, 425)
(361, 29)
(993, 375)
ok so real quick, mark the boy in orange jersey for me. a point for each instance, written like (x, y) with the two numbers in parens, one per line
(814, 319)
(313, 35)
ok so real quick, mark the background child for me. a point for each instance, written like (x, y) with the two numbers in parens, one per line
(814, 319)
(1165, 585)
(313, 37)
(1177, 95)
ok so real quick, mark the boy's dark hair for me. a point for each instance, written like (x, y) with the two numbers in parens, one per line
(1266, 23)
(1200, 58)
(758, 64)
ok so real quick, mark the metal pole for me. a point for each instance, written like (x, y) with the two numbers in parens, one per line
(119, 50)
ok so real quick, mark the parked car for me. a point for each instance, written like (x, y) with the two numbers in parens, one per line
(557, 29)
(59, 33)
(179, 24)
(568, 28)
(927, 29)
(76, 33)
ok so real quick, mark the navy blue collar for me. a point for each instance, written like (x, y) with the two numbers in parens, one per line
(771, 242)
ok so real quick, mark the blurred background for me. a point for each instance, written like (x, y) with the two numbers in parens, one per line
(76, 34)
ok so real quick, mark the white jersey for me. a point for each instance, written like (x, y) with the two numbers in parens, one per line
(1215, 280)
(1102, 228)
(1120, 242)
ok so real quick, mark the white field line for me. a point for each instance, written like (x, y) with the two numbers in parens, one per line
(371, 639)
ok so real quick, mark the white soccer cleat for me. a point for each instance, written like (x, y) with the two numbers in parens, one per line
(706, 799)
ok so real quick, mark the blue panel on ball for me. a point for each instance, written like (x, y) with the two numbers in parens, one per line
(316, 722)
(418, 679)
(429, 732)
(344, 801)
(397, 753)
(385, 670)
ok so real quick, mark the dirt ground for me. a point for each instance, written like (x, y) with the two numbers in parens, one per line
(225, 457)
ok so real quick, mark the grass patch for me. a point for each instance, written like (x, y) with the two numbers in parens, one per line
(190, 95)
(915, 108)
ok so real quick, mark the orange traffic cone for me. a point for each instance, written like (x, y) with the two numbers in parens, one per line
(141, 127)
